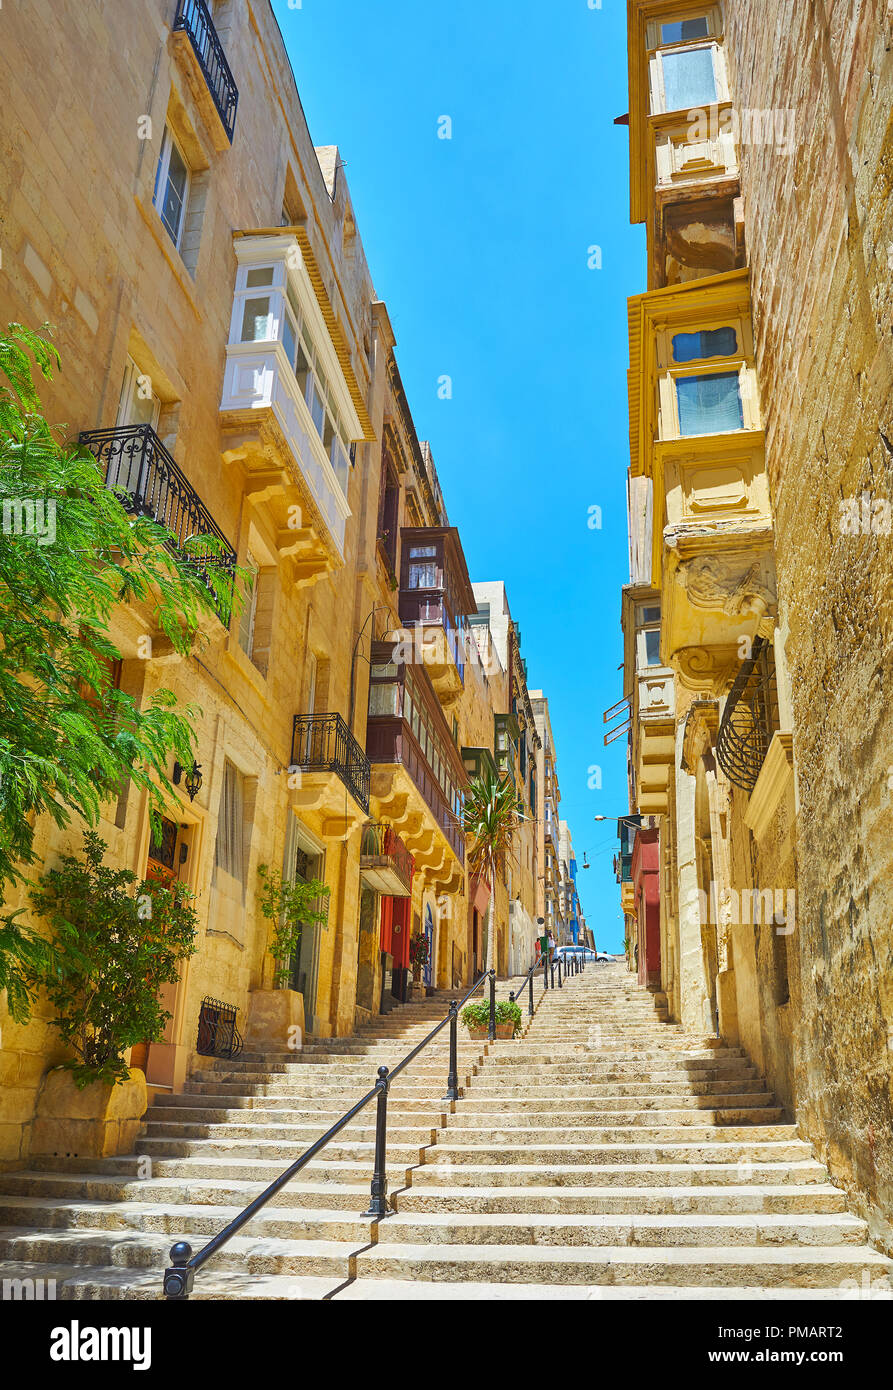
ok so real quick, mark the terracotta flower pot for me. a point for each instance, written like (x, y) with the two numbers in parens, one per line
(477, 1030)
(505, 1031)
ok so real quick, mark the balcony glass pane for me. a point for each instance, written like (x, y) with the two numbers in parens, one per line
(316, 404)
(689, 80)
(419, 552)
(652, 647)
(258, 276)
(384, 700)
(289, 337)
(423, 576)
(340, 464)
(711, 342)
(257, 321)
(709, 404)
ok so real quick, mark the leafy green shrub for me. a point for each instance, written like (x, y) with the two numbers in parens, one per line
(113, 949)
(478, 1015)
(291, 905)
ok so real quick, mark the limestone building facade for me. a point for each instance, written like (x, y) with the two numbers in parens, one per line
(227, 359)
(755, 643)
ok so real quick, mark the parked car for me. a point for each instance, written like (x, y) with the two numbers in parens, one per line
(565, 952)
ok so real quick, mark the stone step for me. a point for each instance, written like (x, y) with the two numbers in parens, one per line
(276, 1150)
(351, 1197)
(258, 1170)
(666, 1231)
(368, 1290)
(622, 1110)
(709, 1151)
(185, 1104)
(138, 1250)
(621, 1174)
(809, 1199)
(203, 1220)
(299, 1135)
(74, 1283)
(485, 1089)
(746, 1266)
(731, 1130)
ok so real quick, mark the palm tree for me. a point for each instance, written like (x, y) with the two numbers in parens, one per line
(491, 818)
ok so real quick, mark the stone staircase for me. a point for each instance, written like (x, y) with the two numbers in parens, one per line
(606, 1154)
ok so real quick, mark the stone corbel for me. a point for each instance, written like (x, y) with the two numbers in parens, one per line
(699, 732)
(723, 583)
(706, 668)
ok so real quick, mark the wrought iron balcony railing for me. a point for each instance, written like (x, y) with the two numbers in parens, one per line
(385, 861)
(138, 465)
(324, 743)
(749, 719)
(194, 18)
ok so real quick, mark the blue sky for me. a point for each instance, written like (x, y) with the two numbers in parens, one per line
(480, 246)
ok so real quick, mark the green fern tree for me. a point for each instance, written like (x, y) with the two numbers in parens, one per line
(68, 738)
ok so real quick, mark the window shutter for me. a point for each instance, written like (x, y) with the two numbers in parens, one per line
(229, 854)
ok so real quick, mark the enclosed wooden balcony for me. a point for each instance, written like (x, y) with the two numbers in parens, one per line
(436, 599)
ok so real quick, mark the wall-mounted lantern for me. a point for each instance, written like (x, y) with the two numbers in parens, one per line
(192, 780)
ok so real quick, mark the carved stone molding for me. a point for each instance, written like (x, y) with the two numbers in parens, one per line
(722, 582)
(699, 732)
(707, 668)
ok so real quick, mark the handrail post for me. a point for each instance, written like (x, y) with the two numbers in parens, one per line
(178, 1280)
(530, 996)
(560, 986)
(492, 1026)
(453, 1075)
(378, 1206)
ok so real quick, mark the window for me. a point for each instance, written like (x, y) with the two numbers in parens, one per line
(689, 79)
(709, 404)
(257, 320)
(229, 852)
(311, 684)
(652, 647)
(171, 187)
(684, 30)
(422, 573)
(138, 404)
(384, 699)
(649, 614)
(710, 342)
(248, 615)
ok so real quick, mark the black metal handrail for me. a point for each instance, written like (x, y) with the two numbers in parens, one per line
(749, 719)
(194, 18)
(151, 483)
(180, 1277)
(324, 743)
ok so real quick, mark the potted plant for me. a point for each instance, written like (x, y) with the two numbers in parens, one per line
(276, 1014)
(115, 943)
(476, 1018)
(418, 955)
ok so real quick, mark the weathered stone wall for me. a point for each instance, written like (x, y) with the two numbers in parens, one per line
(87, 91)
(819, 220)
